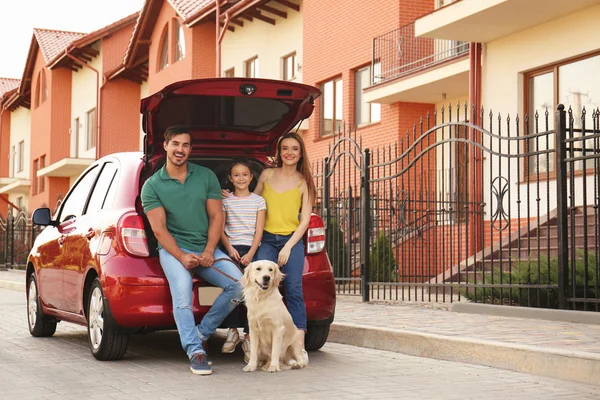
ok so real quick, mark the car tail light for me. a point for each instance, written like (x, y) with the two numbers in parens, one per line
(315, 236)
(133, 236)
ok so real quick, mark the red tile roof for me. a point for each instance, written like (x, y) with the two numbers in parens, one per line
(53, 42)
(189, 8)
(7, 85)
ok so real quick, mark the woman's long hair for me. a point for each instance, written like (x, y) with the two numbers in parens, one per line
(303, 165)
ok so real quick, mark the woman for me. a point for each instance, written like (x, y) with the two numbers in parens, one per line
(288, 190)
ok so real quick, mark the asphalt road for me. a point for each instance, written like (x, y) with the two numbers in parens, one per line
(155, 367)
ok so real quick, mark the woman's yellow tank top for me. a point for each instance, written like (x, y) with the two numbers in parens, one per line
(282, 217)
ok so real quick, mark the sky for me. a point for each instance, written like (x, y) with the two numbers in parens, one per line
(19, 17)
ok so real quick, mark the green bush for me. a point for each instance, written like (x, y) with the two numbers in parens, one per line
(382, 261)
(337, 250)
(538, 272)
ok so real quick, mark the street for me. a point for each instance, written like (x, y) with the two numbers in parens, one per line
(155, 367)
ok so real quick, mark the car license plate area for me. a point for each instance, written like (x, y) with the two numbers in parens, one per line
(208, 294)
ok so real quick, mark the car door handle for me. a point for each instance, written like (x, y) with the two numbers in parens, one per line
(61, 240)
(90, 233)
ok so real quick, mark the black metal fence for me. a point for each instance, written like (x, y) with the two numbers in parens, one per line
(17, 234)
(469, 204)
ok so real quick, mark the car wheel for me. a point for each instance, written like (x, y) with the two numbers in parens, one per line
(316, 336)
(105, 343)
(40, 324)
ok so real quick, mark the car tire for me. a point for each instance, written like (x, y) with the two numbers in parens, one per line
(105, 343)
(316, 336)
(40, 324)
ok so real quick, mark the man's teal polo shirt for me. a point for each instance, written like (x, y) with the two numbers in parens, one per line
(184, 203)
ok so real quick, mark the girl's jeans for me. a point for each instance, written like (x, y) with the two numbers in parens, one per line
(269, 250)
(180, 285)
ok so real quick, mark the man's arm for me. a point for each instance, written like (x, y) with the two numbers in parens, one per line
(215, 227)
(158, 221)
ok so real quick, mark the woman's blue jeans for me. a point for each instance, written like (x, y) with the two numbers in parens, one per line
(180, 285)
(269, 249)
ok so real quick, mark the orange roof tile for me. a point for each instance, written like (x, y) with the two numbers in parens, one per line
(188, 8)
(7, 85)
(52, 42)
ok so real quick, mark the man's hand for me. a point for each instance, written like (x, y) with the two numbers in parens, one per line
(207, 258)
(189, 261)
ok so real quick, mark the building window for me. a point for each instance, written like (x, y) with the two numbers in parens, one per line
(163, 58)
(41, 89)
(573, 83)
(21, 161)
(289, 67)
(364, 112)
(230, 73)
(251, 67)
(332, 106)
(20, 203)
(89, 126)
(179, 40)
(34, 181)
(42, 180)
(44, 92)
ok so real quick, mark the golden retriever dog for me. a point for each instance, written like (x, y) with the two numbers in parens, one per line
(275, 342)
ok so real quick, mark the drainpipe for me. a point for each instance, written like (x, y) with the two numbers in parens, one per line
(220, 34)
(477, 155)
(98, 98)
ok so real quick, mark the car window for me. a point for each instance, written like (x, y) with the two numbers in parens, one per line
(105, 187)
(72, 207)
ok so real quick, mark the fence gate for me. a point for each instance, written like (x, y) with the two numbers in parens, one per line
(341, 179)
(488, 207)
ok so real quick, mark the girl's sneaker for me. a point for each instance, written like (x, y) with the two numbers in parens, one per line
(233, 338)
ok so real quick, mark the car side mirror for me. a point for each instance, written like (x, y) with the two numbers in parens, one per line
(41, 216)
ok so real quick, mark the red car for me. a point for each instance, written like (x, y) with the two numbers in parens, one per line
(95, 263)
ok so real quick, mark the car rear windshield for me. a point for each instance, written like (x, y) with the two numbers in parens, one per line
(227, 113)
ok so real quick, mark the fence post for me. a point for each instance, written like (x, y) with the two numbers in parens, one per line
(561, 187)
(326, 193)
(365, 235)
(10, 238)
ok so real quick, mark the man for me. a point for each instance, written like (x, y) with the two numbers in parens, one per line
(183, 204)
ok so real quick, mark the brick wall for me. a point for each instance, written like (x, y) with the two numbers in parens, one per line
(337, 41)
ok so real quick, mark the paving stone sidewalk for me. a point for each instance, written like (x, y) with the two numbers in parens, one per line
(432, 330)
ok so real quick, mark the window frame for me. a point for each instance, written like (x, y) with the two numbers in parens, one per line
(334, 81)
(178, 37)
(90, 128)
(21, 162)
(251, 62)
(42, 179)
(527, 76)
(34, 183)
(284, 60)
(358, 97)
(163, 50)
(229, 73)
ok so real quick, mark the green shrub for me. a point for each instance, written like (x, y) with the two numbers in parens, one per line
(537, 272)
(337, 249)
(382, 261)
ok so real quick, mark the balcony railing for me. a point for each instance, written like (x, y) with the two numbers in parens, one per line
(399, 52)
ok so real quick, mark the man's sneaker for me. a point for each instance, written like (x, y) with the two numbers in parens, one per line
(246, 348)
(305, 355)
(233, 338)
(199, 364)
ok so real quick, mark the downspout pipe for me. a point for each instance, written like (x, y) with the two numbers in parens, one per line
(220, 33)
(98, 98)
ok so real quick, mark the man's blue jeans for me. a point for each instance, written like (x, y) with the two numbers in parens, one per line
(269, 249)
(180, 285)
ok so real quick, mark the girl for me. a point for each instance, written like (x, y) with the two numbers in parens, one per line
(244, 223)
(288, 189)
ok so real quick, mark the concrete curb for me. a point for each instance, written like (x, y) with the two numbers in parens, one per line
(554, 363)
(581, 317)
(11, 285)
